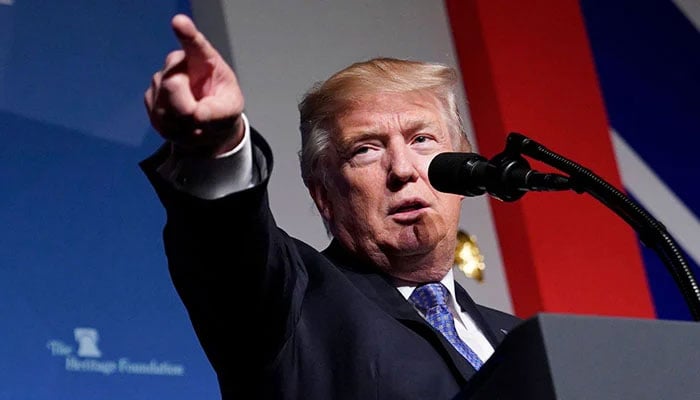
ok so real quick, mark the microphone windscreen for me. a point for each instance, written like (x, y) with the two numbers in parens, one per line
(452, 173)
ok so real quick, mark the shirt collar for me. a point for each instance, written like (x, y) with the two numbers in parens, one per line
(447, 280)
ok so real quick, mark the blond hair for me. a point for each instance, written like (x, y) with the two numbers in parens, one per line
(327, 100)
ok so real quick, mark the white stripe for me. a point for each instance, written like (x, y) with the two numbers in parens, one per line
(691, 10)
(653, 194)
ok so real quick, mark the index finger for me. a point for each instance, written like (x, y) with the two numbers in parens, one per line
(192, 40)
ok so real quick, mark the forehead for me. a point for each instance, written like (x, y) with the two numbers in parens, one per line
(376, 112)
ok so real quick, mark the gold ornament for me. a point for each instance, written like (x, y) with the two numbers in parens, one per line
(468, 257)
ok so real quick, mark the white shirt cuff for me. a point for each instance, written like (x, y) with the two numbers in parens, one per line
(212, 178)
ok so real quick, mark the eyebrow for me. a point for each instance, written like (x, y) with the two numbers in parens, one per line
(370, 134)
(417, 125)
(346, 143)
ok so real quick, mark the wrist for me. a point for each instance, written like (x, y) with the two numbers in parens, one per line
(215, 142)
(233, 141)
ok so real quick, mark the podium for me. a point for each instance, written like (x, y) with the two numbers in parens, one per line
(556, 356)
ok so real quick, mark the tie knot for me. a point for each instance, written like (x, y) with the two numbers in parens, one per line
(428, 296)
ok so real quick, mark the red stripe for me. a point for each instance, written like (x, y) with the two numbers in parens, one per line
(527, 67)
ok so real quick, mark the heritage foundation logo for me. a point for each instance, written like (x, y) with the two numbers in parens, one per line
(88, 358)
(87, 342)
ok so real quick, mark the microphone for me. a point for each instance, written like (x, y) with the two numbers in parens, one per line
(506, 177)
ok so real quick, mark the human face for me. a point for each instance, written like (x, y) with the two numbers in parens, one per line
(379, 202)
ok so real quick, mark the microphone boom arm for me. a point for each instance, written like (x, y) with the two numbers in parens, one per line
(652, 233)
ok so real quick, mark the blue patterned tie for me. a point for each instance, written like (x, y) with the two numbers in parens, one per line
(431, 300)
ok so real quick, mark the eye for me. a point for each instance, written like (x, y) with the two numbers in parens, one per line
(361, 150)
(364, 153)
(421, 139)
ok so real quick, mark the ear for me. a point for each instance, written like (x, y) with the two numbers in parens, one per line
(319, 193)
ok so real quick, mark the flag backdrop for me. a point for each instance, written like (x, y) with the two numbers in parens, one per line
(88, 307)
(610, 85)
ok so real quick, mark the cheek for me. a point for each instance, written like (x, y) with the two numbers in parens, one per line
(363, 208)
(355, 200)
(451, 204)
(365, 187)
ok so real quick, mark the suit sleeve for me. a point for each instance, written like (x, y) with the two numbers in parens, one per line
(239, 276)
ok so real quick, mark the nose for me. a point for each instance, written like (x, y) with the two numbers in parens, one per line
(402, 166)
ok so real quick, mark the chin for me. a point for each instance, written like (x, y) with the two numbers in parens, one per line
(407, 249)
(418, 239)
(405, 244)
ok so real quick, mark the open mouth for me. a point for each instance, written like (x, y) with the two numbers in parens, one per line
(408, 206)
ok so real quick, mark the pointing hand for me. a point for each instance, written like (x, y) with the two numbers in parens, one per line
(195, 100)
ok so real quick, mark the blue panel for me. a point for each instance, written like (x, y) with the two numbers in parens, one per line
(647, 55)
(83, 64)
(88, 308)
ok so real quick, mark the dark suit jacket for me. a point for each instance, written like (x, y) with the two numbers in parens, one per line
(280, 320)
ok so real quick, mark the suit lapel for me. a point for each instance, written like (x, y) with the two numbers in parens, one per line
(493, 335)
(379, 288)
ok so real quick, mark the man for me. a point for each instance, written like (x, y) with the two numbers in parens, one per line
(377, 315)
